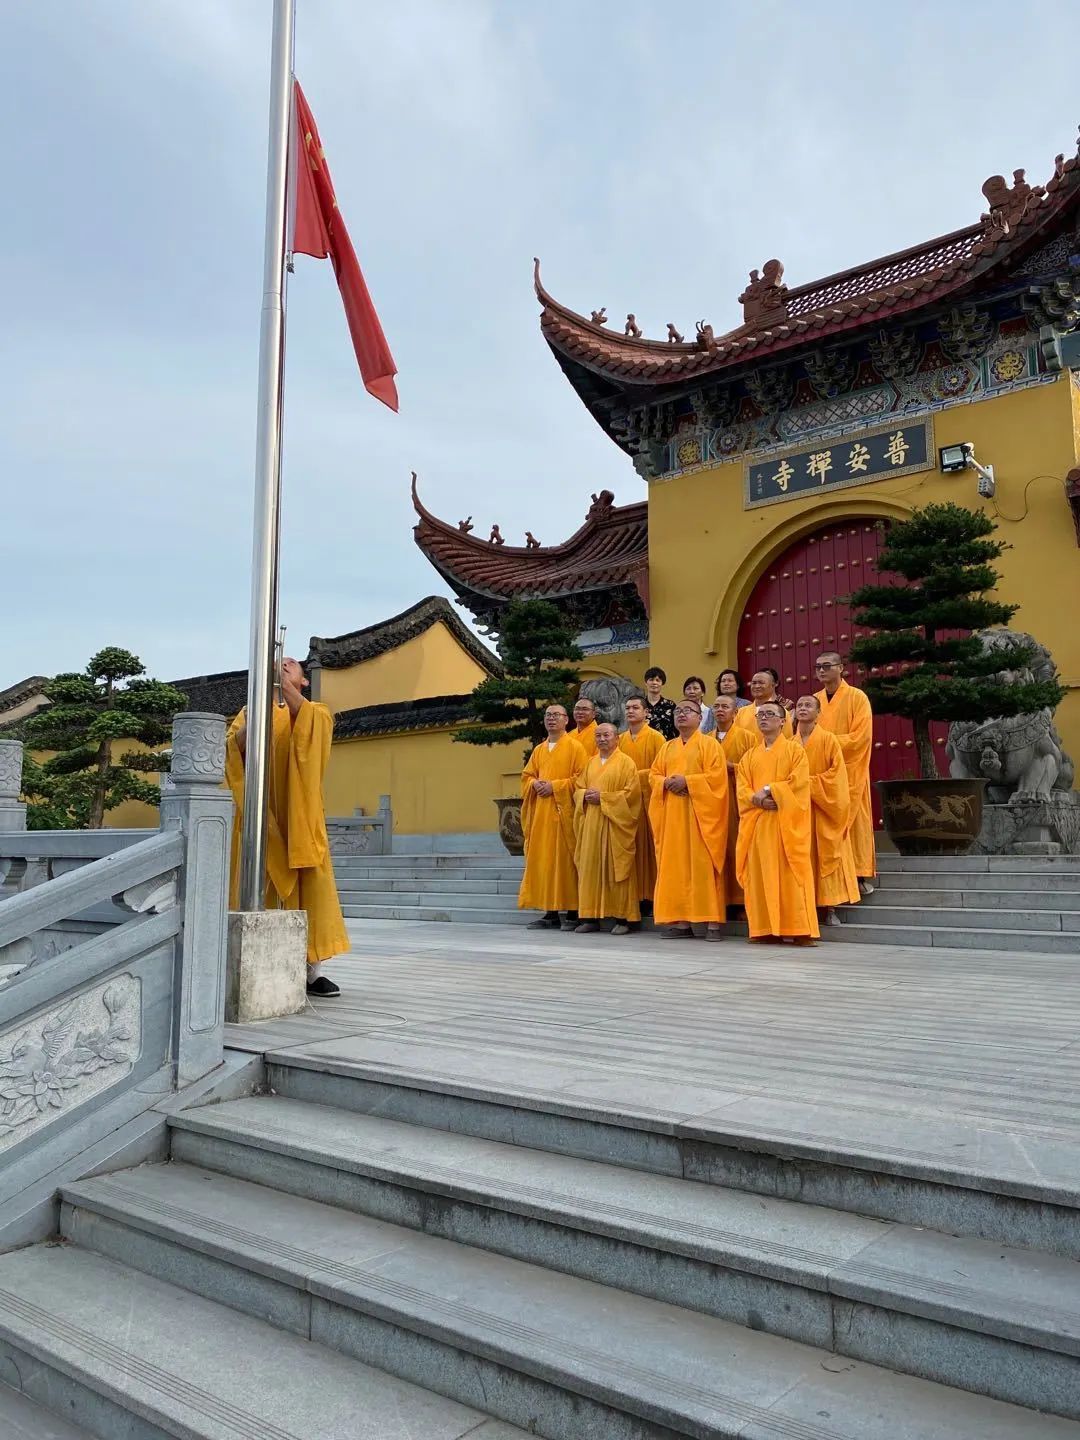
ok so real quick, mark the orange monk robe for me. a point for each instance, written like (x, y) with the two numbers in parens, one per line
(734, 744)
(746, 719)
(830, 809)
(643, 751)
(300, 872)
(607, 838)
(586, 739)
(690, 832)
(848, 716)
(547, 821)
(772, 860)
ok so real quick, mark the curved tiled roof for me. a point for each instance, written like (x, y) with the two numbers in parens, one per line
(906, 281)
(340, 651)
(434, 712)
(224, 693)
(22, 691)
(611, 548)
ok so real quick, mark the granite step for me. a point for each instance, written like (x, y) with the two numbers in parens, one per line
(1033, 882)
(987, 898)
(461, 914)
(973, 1178)
(877, 912)
(866, 1288)
(125, 1354)
(561, 1356)
(865, 931)
(385, 884)
(420, 895)
(428, 864)
(978, 863)
(23, 1419)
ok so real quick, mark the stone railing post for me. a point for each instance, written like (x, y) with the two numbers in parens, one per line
(386, 829)
(12, 813)
(196, 803)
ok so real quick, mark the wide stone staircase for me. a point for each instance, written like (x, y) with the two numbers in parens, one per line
(968, 902)
(371, 1252)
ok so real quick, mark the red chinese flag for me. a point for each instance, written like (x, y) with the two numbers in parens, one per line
(320, 231)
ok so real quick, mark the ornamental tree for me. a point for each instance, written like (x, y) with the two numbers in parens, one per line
(536, 645)
(943, 558)
(87, 713)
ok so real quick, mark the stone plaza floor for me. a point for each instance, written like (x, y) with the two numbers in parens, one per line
(955, 1061)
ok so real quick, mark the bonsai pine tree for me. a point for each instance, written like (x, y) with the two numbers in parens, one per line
(86, 714)
(943, 555)
(537, 649)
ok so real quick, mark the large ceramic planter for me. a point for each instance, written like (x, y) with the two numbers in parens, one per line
(932, 817)
(510, 832)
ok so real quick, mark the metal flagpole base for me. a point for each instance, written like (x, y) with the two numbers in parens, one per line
(267, 968)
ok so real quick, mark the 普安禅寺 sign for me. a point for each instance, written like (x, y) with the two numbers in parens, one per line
(888, 451)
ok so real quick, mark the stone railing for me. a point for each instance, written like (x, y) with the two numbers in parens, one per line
(112, 969)
(360, 834)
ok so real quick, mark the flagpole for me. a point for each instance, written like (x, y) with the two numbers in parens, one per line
(266, 536)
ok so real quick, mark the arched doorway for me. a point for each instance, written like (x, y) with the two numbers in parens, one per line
(798, 608)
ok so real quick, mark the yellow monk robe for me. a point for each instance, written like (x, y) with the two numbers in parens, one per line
(606, 837)
(773, 856)
(547, 821)
(734, 744)
(830, 810)
(586, 739)
(300, 872)
(643, 751)
(746, 719)
(690, 832)
(848, 716)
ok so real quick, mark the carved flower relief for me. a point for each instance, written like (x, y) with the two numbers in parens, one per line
(53, 1062)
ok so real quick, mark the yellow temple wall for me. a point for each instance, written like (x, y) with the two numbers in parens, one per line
(706, 551)
(433, 663)
(631, 663)
(435, 786)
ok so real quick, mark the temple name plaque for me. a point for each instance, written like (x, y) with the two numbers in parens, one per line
(886, 452)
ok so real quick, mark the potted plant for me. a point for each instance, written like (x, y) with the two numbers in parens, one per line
(925, 664)
(537, 648)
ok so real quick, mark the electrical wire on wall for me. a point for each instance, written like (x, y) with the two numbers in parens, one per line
(1015, 519)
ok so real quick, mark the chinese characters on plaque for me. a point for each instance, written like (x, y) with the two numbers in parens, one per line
(890, 451)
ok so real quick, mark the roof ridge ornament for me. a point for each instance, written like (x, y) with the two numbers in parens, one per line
(765, 298)
(632, 329)
(1008, 204)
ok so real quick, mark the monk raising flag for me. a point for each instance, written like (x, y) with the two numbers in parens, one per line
(320, 231)
(299, 868)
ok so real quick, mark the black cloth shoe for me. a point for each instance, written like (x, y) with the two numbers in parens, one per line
(548, 921)
(323, 987)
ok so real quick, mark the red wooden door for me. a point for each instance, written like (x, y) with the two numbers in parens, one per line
(798, 608)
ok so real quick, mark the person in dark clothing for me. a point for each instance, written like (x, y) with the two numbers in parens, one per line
(661, 711)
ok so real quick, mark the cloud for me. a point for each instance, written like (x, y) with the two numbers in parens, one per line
(650, 156)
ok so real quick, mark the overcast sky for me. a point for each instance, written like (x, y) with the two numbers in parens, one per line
(650, 155)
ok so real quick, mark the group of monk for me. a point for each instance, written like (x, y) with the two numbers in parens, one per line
(766, 810)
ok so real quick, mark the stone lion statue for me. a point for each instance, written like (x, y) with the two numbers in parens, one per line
(609, 694)
(1021, 757)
